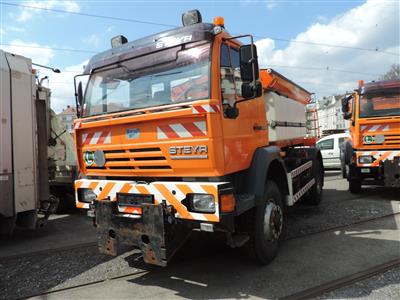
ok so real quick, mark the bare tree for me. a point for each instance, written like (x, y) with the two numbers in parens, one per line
(393, 73)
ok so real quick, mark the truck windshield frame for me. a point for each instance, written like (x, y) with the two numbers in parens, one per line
(385, 103)
(175, 75)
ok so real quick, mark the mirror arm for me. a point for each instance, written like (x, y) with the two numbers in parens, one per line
(77, 104)
(78, 113)
(252, 63)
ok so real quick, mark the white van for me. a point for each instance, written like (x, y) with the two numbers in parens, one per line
(330, 149)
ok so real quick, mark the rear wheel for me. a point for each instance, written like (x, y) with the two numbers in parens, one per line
(266, 226)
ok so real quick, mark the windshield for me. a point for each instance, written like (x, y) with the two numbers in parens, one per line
(384, 104)
(170, 76)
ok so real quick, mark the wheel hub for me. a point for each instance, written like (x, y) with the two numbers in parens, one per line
(273, 221)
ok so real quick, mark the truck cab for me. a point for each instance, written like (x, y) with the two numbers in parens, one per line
(176, 133)
(372, 156)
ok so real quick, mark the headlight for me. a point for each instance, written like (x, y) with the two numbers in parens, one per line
(202, 202)
(86, 195)
(365, 159)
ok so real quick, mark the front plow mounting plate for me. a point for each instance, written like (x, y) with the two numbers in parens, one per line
(154, 232)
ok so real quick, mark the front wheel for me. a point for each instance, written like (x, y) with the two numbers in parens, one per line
(266, 228)
(343, 169)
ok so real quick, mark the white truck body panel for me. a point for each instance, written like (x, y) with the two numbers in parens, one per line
(22, 132)
(278, 109)
(6, 172)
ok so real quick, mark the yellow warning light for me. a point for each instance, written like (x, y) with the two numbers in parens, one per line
(219, 21)
(360, 83)
(34, 71)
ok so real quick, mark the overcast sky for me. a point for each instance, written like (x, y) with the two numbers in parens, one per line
(294, 37)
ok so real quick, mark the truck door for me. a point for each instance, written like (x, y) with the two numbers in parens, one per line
(248, 131)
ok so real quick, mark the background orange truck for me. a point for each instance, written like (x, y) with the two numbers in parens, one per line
(181, 131)
(372, 156)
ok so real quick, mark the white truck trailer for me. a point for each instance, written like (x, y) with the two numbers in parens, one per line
(26, 135)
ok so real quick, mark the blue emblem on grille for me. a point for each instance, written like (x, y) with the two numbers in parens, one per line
(132, 133)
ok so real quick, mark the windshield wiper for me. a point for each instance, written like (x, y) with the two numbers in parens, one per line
(166, 74)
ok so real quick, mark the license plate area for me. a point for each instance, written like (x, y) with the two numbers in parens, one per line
(132, 203)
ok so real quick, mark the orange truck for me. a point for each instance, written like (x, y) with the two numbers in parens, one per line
(182, 131)
(372, 155)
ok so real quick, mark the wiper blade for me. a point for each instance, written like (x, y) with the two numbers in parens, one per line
(166, 74)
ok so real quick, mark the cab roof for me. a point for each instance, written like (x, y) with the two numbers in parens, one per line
(148, 44)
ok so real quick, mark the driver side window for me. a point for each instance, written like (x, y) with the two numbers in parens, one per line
(230, 75)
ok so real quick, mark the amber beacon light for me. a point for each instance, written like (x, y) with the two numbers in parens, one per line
(219, 21)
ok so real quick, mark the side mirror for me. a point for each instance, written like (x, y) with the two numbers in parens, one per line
(251, 91)
(248, 63)
(80, 94)
(345, 107)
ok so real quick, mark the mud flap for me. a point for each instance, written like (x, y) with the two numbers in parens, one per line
(156, 232)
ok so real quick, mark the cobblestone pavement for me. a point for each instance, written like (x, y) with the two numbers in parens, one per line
(24, 276)
(382, 286)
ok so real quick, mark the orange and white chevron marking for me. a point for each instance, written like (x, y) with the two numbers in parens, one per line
(205, 108)
(182, 130)
(172, 192)
(379, 156)
(374, 128)
(96, 138)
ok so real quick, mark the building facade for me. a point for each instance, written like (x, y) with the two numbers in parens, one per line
(330, 114)
(67, 117)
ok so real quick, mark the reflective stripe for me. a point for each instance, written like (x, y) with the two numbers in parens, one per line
(182, 130)
(205, 108)
(172, 192)
(174, 202)
(379, 156)
(96, 138)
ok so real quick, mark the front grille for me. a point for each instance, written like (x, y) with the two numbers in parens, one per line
(128, 160)
(392, 139)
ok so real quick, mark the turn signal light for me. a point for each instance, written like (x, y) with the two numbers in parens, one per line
(228, 203)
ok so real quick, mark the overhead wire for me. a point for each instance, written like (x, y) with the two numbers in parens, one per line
(86, 14)
(49, 48)
(327, 68)
(174, 26)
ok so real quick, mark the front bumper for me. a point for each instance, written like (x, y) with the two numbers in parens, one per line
(159, 228)
(385, 168)
(173, 193)
(378, 157)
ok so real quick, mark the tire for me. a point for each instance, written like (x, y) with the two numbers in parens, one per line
(314, 196)
(355, 186)
(65, 203)
(264, 240)
(7, 226)
(343, 169)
